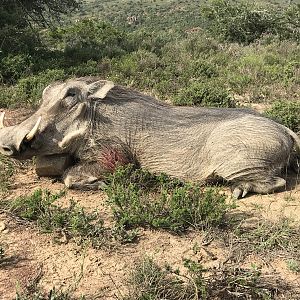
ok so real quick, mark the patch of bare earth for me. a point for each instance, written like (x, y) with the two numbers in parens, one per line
(32, 256)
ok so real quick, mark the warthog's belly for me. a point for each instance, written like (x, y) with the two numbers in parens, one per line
(52, 165)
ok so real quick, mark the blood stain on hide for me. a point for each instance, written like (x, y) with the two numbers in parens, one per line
(110, 159)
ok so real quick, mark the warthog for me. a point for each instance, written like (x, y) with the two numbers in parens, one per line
(102, 125)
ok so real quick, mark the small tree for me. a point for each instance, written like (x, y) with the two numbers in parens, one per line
(18, 20)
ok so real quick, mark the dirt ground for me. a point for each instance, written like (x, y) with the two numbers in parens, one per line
(33, 256)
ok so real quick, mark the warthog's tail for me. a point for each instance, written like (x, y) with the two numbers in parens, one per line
(295, 138)
(295, 161)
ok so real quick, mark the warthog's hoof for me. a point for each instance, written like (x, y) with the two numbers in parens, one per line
(52, 165)
(239, 192)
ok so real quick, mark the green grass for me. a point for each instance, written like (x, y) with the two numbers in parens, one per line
(150, 281)
(139, 198)
(6, 171)
(293, 265)
(266, 237)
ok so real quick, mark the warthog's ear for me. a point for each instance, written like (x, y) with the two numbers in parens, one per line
(50, 92)
(99, 89)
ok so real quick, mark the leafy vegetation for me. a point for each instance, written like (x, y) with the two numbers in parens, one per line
(187, 52)
(18, 33)
(6, 171)
(204, 94)
(71, 222)
(293, 265)
(287, 113)
(245, 22)
(150, 281)
(139, 198)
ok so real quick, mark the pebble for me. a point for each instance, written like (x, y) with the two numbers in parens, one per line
(2, 226)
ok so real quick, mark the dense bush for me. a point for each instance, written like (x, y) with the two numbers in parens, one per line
(184, 65)
(89, 39)
(245, 22)
(139, 198)
(13, 67)
(29, 89)
(204, 94)
(287, 113)
(18, 40)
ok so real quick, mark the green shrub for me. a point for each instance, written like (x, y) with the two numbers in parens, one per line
(288, 22)
(40, 208)
(89, 68)
(139, 198)
(34, 206)
(245, 22)
(29, 89)
(142, 69)
(287, 113)
(7, 95)
(152, 41)
(72, 221)
(149, 281)
(89, 39)
(202, 68)
(18, 40)
(201, 45)
(204, 94)
(13, 67)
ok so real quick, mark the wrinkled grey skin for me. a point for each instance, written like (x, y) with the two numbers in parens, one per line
(190, 143)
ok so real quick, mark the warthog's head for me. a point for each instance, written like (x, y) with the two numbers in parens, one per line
(62, 118)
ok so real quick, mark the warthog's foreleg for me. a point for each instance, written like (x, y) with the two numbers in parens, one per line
(84, 177)
(87, 175)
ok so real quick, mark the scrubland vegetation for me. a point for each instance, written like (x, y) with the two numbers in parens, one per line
(215, 53)
(199, 53)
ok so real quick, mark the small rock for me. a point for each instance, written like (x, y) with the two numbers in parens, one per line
(2, 226)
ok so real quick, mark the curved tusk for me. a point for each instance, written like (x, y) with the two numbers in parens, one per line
(71, 136)
(34, 130)
(2, 120)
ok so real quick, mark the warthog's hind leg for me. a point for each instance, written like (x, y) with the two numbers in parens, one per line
(265, 186)
(84, 177)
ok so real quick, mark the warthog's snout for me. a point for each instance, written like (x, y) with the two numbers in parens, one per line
(15, 140)
(8, 150)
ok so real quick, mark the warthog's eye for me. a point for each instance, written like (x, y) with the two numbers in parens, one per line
(71, 98)
(71, 92)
